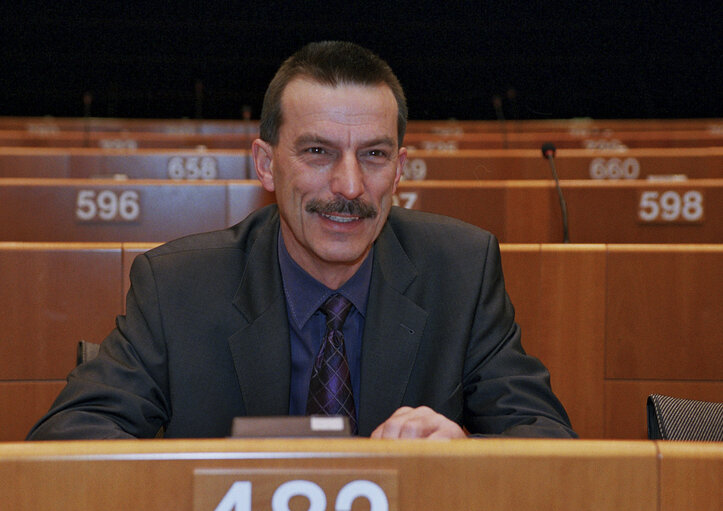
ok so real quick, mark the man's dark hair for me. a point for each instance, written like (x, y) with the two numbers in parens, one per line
(329, 63)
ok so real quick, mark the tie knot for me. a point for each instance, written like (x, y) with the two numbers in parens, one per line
(336, 308)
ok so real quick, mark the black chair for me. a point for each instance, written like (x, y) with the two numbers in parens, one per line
(86, 351)
(671, 418)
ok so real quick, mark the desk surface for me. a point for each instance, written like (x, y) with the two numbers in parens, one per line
(412, 475)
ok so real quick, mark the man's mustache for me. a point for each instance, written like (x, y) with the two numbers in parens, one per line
(354, 207)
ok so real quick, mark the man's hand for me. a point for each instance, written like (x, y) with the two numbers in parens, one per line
(421, 422)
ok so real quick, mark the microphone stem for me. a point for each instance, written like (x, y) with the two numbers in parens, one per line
(563, 205)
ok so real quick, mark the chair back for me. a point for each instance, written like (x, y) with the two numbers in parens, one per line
(86, 351)
(672, 418)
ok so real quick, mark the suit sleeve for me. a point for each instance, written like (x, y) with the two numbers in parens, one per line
(506, 391)
(123, 392)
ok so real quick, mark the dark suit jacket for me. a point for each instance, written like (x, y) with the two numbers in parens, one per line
(205, 338)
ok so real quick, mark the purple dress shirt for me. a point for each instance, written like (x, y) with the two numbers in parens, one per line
(307, 324)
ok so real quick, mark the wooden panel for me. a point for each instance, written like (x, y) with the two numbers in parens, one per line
(50, 210)
(516, 211)
(504, 164)
(124, 140)
(482, 165)
(23, 403)
(665, 312)
(176, 165)
(578, 126)
(534, 140)
(522, 271)
(559, 296)
(33, 163)
(608, 212)
(51, 297)
(425, 141)
(625, 402)
(464, 474)
(581, 127)
(691, 476)
(599, 212)
(571, 325)
(128, 164)
(481, 205)
(531, 214)
(84, 124)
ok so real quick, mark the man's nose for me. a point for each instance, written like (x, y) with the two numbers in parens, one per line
(347, 177)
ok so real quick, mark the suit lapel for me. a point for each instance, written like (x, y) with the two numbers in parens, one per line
(392, 333)
(260, 348)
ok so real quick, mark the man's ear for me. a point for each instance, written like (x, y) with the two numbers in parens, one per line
(263, 156)
(401, 161)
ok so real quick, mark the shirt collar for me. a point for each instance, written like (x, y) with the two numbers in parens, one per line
(305, 294)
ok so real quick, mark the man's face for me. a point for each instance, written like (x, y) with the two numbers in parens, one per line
(334, 170)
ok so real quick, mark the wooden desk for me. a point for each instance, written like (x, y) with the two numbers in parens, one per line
(423, 141)
(598, 211)
(175, 165)
(615, 323)
(691, 476)
(125, 140)
(121, 125)
(513, 164)
(109, 210)
(411, 475)
(579, 126)
(483, 165)
(564, 140)
(51, 295)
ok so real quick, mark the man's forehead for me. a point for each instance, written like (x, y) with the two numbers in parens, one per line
(308, 104)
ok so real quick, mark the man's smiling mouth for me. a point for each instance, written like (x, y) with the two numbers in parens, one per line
(341, 219)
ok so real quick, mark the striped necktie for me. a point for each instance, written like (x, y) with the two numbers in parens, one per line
(330, 391)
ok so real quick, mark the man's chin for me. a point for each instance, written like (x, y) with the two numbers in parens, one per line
(344, 254)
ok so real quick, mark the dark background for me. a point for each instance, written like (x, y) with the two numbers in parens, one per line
(544, 59)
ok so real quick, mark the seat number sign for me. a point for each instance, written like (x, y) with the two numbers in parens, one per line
(107, 206)
(291, 490)
(671, 206)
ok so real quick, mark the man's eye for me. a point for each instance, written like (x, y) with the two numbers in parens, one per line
(377, 153)
(315, 150)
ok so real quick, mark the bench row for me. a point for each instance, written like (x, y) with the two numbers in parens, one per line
(484, 165)
(516, 211)
(613, 323)
(425, 141)
(584, 126)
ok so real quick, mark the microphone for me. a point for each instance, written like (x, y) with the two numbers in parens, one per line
(198, 89)
(548, 152)
(512, 97)
(87, 103)
(497, 104)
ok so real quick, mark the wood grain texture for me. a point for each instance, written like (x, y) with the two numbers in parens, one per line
(464, 474)
(52, 296)
(665, 312)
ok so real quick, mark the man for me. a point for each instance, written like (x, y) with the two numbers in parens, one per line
(234, 323)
